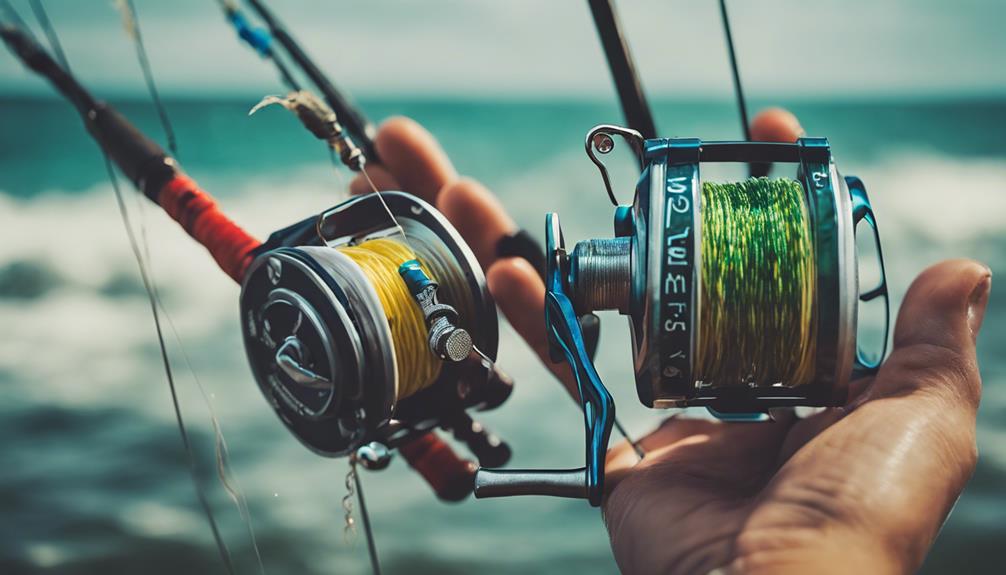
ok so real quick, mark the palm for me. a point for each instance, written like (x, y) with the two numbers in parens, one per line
(721, 489)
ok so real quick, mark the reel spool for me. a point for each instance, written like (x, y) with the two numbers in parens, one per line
(653, 272)
(327, 352)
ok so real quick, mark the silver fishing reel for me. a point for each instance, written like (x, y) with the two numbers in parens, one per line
(650, 272)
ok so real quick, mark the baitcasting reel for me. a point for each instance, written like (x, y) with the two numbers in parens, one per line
(653, 271)
(322, 349)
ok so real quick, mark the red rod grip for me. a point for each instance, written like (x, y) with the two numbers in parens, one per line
(198, 213)
(451, 477)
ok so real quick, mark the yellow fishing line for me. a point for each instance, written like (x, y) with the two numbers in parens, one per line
(379, 259)
(759, 279)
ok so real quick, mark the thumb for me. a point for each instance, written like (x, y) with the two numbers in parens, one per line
(936, 330)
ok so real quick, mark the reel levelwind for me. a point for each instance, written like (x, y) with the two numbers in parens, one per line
(741, 297)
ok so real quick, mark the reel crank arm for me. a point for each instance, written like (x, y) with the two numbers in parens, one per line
(566, 342)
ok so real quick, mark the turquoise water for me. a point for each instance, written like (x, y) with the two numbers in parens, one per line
(93, 476)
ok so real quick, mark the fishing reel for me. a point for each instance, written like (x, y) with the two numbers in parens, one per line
(327, 350)
(655, 272)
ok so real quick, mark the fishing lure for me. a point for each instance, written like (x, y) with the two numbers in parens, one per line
(741, 296)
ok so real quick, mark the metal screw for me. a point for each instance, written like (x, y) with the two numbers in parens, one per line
(275, 270)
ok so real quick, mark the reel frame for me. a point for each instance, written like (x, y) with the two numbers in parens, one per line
(353, 349)
(664, 304)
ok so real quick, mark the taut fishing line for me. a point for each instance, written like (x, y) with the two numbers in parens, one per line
(224, 472)
(132, 25)
(182, 430)
(50, 32)
(143, 259)
(154, 303)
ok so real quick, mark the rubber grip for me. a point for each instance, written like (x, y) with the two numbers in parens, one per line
(141, 159)
(451, 477)
(198, 213)
(522, 245)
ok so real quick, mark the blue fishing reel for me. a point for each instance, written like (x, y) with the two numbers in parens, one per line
(650, 271)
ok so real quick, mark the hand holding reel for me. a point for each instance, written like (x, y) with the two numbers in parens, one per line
(653, 271)
(323, 346)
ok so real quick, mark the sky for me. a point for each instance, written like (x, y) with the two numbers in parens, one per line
(535, 48)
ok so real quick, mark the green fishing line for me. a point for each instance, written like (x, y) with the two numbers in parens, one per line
(756, 323)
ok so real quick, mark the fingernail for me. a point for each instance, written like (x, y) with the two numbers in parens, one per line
(977, 302)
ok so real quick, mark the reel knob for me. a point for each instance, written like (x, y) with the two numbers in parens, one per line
(447, 340)
(373, 456)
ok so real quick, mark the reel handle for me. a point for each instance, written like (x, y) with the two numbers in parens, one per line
(570, 483)
(566, 342)
(450, 476)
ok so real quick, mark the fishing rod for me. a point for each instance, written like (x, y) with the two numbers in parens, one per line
(315, 309)
(742, 297)
(629, 87)
(100, 119)
(359, 128)
(426, 454)
(636, 110)
(260, 39)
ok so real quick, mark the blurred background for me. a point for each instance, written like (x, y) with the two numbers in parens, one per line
(912, 96)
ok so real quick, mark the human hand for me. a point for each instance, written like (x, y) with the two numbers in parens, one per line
(861, 487)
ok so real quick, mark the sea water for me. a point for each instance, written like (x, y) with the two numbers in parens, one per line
(92, 473)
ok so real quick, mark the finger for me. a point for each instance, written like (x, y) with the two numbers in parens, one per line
(776, 125)
(520, 294)
(477, 215)
(934, 337)
(414, 158)
(383, 181)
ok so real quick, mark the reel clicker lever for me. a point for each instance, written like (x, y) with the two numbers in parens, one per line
(566, 342)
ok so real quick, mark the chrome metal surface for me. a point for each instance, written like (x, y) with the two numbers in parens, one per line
(601, 275)
(507, 482)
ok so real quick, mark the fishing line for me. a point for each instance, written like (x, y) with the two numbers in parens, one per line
(259, 39)
(335, 168)
(228, 479)
(151, 295)
(182, 430)
(349, 529)
(757, 321)
(319, 119)
(387, 210)
(43, 21)
(131, 23)
(738, 89)
(375, 563)
(380, 260)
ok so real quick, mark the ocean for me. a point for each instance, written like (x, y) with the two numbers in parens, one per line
(92, 473)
